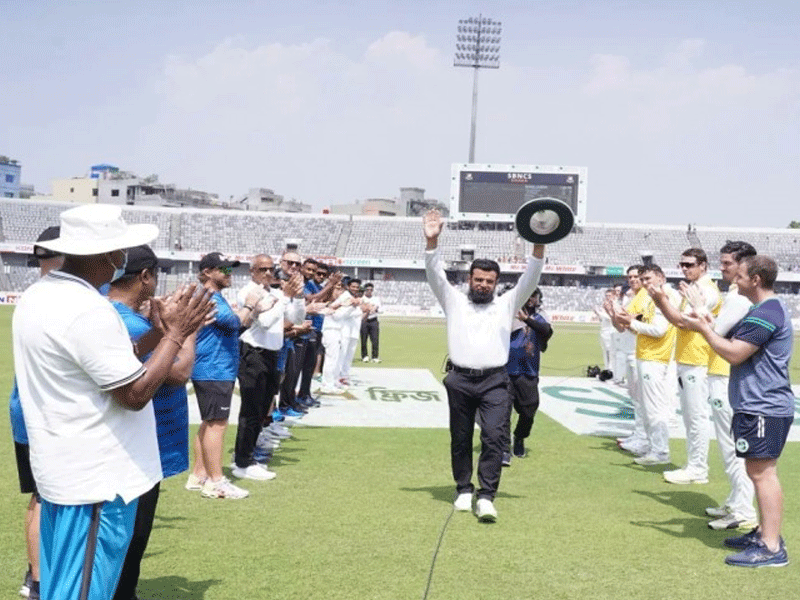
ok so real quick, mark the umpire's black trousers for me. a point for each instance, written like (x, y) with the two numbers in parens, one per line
(489, 397)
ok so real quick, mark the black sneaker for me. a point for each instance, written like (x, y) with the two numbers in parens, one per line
(34, 593)
(506, 459)
(27, 582)
(519, 447)
(743, 541)
(307, 402)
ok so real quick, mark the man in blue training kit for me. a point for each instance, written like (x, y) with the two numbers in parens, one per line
(529, 336)
(759, 349)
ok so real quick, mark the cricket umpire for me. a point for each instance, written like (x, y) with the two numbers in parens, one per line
(478, 334)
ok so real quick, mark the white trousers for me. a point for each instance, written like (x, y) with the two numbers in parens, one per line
(740, 500)
(635, 392)
(346, 360)
(332, 341)
(620, 364)
(693, 386)
(657, 406)
(607, 348)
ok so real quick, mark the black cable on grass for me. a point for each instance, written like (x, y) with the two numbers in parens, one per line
(436, 553)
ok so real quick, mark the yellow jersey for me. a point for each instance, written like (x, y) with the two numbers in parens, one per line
(735, 306)
(648, 347)
(637, 303)
(691, 348)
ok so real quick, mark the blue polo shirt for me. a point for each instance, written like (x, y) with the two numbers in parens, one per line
(761, 385)
(217, 348)
(169, 403)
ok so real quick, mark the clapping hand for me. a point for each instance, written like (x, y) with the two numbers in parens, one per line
(694, 296)
(294, 285)
(183, 312)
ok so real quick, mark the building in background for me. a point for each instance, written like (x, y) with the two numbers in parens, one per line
(412, 203)
(416, 204)
(375, 207)
(81, 190)
(265, 199)
(110, 185)
(9, 177)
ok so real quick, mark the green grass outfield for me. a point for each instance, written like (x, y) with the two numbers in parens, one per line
(355, 514)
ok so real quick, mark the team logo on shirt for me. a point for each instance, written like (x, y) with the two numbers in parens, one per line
(691, 378)
(716, 403)
(742, 446)
(646, 376)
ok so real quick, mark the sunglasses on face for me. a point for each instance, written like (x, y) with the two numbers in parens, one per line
(292, 263)
(265, 269)
(687, 265)
(323, 273)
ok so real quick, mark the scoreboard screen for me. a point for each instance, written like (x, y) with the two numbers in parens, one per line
(495, 192)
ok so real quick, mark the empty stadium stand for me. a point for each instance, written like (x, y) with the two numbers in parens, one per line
(371, 241)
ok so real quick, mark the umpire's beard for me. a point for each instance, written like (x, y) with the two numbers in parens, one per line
(478, 297)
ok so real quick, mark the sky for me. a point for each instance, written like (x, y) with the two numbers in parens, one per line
(682, 111)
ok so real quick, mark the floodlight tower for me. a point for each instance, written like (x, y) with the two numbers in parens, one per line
(477, 46)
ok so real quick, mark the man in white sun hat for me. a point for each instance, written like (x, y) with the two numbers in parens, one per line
(93, 449)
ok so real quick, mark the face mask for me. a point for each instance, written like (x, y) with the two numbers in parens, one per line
(119, 271)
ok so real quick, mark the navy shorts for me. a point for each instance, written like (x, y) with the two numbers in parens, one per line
(756, 436)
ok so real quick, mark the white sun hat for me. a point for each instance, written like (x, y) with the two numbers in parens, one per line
(97, 228)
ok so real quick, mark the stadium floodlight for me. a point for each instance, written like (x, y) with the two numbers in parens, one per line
(478, 47)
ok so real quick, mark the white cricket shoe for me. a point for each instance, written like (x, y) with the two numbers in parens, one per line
(223, 489)
(255, 471)
(485, 511)
(463, 502)
(650, 459)
(684, 477)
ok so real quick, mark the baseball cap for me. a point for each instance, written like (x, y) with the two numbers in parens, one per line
(142, 257)
(51, 233)
(215, 260)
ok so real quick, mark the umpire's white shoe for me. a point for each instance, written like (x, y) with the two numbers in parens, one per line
(485, 511)
(463, 502)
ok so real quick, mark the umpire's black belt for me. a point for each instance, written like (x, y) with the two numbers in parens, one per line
(477, 372)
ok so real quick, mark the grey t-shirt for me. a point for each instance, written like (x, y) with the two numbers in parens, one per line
(760, 385)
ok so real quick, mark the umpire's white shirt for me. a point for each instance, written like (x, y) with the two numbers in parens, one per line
(478, 335)
(71, 349)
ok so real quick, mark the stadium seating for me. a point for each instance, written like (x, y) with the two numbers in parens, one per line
(396, 238)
